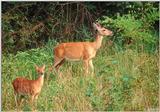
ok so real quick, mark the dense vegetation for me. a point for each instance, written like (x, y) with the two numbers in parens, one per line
(126, 66)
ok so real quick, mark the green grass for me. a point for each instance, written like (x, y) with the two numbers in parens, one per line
(123, 80)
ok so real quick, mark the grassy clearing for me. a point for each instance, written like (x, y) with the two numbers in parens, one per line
(123, 80)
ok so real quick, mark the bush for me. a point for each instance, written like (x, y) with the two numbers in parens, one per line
(130, 31)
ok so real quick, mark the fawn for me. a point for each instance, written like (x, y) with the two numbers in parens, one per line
(76, 51)
(23, 86)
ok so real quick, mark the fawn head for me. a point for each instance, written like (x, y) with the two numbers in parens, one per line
(102, 31)
(40, 70)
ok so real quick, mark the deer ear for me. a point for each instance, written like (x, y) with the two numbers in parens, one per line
(36, 67)
(95, 26)
(43, 66)
(98, 24)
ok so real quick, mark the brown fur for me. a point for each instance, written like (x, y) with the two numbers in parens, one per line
(80, 50)
(23, 86)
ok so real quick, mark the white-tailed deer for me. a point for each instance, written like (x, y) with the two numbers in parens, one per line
(32, 88)
(76, 51)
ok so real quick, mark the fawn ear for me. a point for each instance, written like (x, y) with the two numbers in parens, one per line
(36, 67)
(43, 67)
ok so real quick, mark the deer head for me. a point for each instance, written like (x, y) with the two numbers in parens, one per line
(101, 30)
(40, 70)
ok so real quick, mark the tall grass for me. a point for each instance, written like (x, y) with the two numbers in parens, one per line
(123, 80)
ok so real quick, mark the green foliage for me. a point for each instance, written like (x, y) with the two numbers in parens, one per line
(131, 31)
(135, 28)
(147, 12)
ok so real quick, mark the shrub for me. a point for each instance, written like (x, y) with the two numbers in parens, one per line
(130, 31)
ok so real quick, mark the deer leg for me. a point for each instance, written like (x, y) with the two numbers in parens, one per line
(57, 61)
(86, 63)
(91, 66)
(16, 99)
(59, 64)
(21, 100)
(36, 97)
(31, 101)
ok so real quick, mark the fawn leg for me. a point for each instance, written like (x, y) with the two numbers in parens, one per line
(31, 102)
(21, 100)
(86, 63)
(36, 97)
(91, 66)
(16, 99)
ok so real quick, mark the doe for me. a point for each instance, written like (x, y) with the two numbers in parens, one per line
(76, 51)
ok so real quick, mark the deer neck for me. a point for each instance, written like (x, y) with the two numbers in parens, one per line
(41, 79)
(98, 41)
